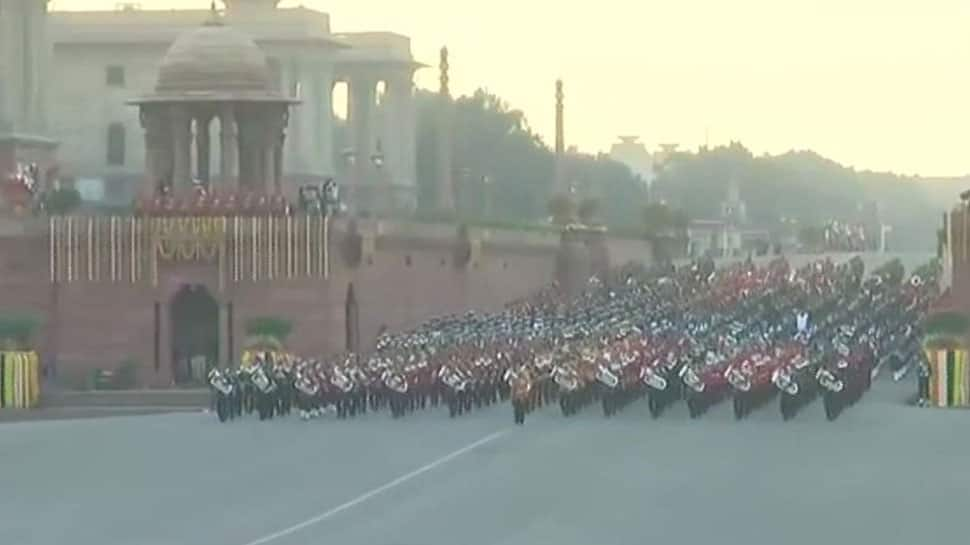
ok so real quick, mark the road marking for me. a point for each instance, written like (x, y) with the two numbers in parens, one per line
(380, 489)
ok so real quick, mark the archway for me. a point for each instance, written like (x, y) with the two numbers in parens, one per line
(195, 334)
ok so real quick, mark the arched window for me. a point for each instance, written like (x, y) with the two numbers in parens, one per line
(116, 144)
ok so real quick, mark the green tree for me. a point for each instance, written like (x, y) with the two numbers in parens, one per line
(801, 186)
(587, 210)
(562, 209)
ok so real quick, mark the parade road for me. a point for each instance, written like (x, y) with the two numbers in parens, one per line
(883, 473)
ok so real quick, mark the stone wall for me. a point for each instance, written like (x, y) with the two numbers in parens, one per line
(405, 275)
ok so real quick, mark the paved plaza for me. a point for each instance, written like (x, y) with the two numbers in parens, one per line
(883, 473)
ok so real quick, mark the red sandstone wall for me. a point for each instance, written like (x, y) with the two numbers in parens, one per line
(403, 282)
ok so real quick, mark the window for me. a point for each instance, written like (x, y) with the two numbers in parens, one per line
(116, 144)
(115, 76)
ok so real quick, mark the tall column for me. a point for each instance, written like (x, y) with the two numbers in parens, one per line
(273, 144)
(249, 142)
(560, 172)
(228, 147)
(182, 148)
(202, 146)
(291, 80)
(301, 127)
(400, 137)
(323, 141)
(361, 120)
(445, 186)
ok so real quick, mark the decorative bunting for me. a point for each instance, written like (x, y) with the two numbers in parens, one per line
(265, 248)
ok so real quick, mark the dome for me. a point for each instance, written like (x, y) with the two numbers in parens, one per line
(214, 59)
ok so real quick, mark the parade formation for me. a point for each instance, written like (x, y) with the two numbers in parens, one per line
(694, 334)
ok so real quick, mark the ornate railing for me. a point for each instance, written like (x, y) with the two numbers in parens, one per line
(132, 249)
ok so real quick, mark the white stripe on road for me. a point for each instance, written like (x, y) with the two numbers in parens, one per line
(380, 489)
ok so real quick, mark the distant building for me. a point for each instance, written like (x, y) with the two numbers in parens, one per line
(632, 153)
(100, 60)
(24, 62)
(730, 234)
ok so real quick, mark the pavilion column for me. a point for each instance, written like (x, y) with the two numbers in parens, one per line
(158, 161)
(273, 145)
(228, 146)
(202, 148)
(248, 161)
(181, 148)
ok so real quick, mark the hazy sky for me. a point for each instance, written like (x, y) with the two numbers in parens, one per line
(881, 84)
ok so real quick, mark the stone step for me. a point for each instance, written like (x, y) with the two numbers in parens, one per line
(77, 413)
(195, 398)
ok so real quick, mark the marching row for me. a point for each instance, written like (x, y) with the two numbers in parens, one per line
(697, 335)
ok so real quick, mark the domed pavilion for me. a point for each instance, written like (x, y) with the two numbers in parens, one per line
(214, 77)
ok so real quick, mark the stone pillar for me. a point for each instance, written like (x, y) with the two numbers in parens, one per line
(182, 148)
(361, 120)
(228, 146)
(273, 144)
(290, 79)
(302, 126)
(202, 146)
(323, 127)
(248, 161)
(446, 185)
(402, 129)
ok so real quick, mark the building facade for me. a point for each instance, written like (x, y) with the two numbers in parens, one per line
(24, 62)
(102, 60)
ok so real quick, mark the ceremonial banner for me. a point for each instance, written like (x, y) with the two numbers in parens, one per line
(949, 377)
(19, 380)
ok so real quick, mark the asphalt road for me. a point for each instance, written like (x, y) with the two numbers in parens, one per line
(883, 473)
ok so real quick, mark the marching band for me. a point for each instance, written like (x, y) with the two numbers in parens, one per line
(695, 334)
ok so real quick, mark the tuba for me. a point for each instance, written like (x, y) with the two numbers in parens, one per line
(220, 382)
(566, 379)
(306, 386)
(396, 383)
(607, 377)
(262, 381)
(340, 380)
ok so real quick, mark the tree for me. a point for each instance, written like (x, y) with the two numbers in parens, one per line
(562, 209)
(494, 142)
(666, 228)
(62, 201)
(799, 186)
(587, 209)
